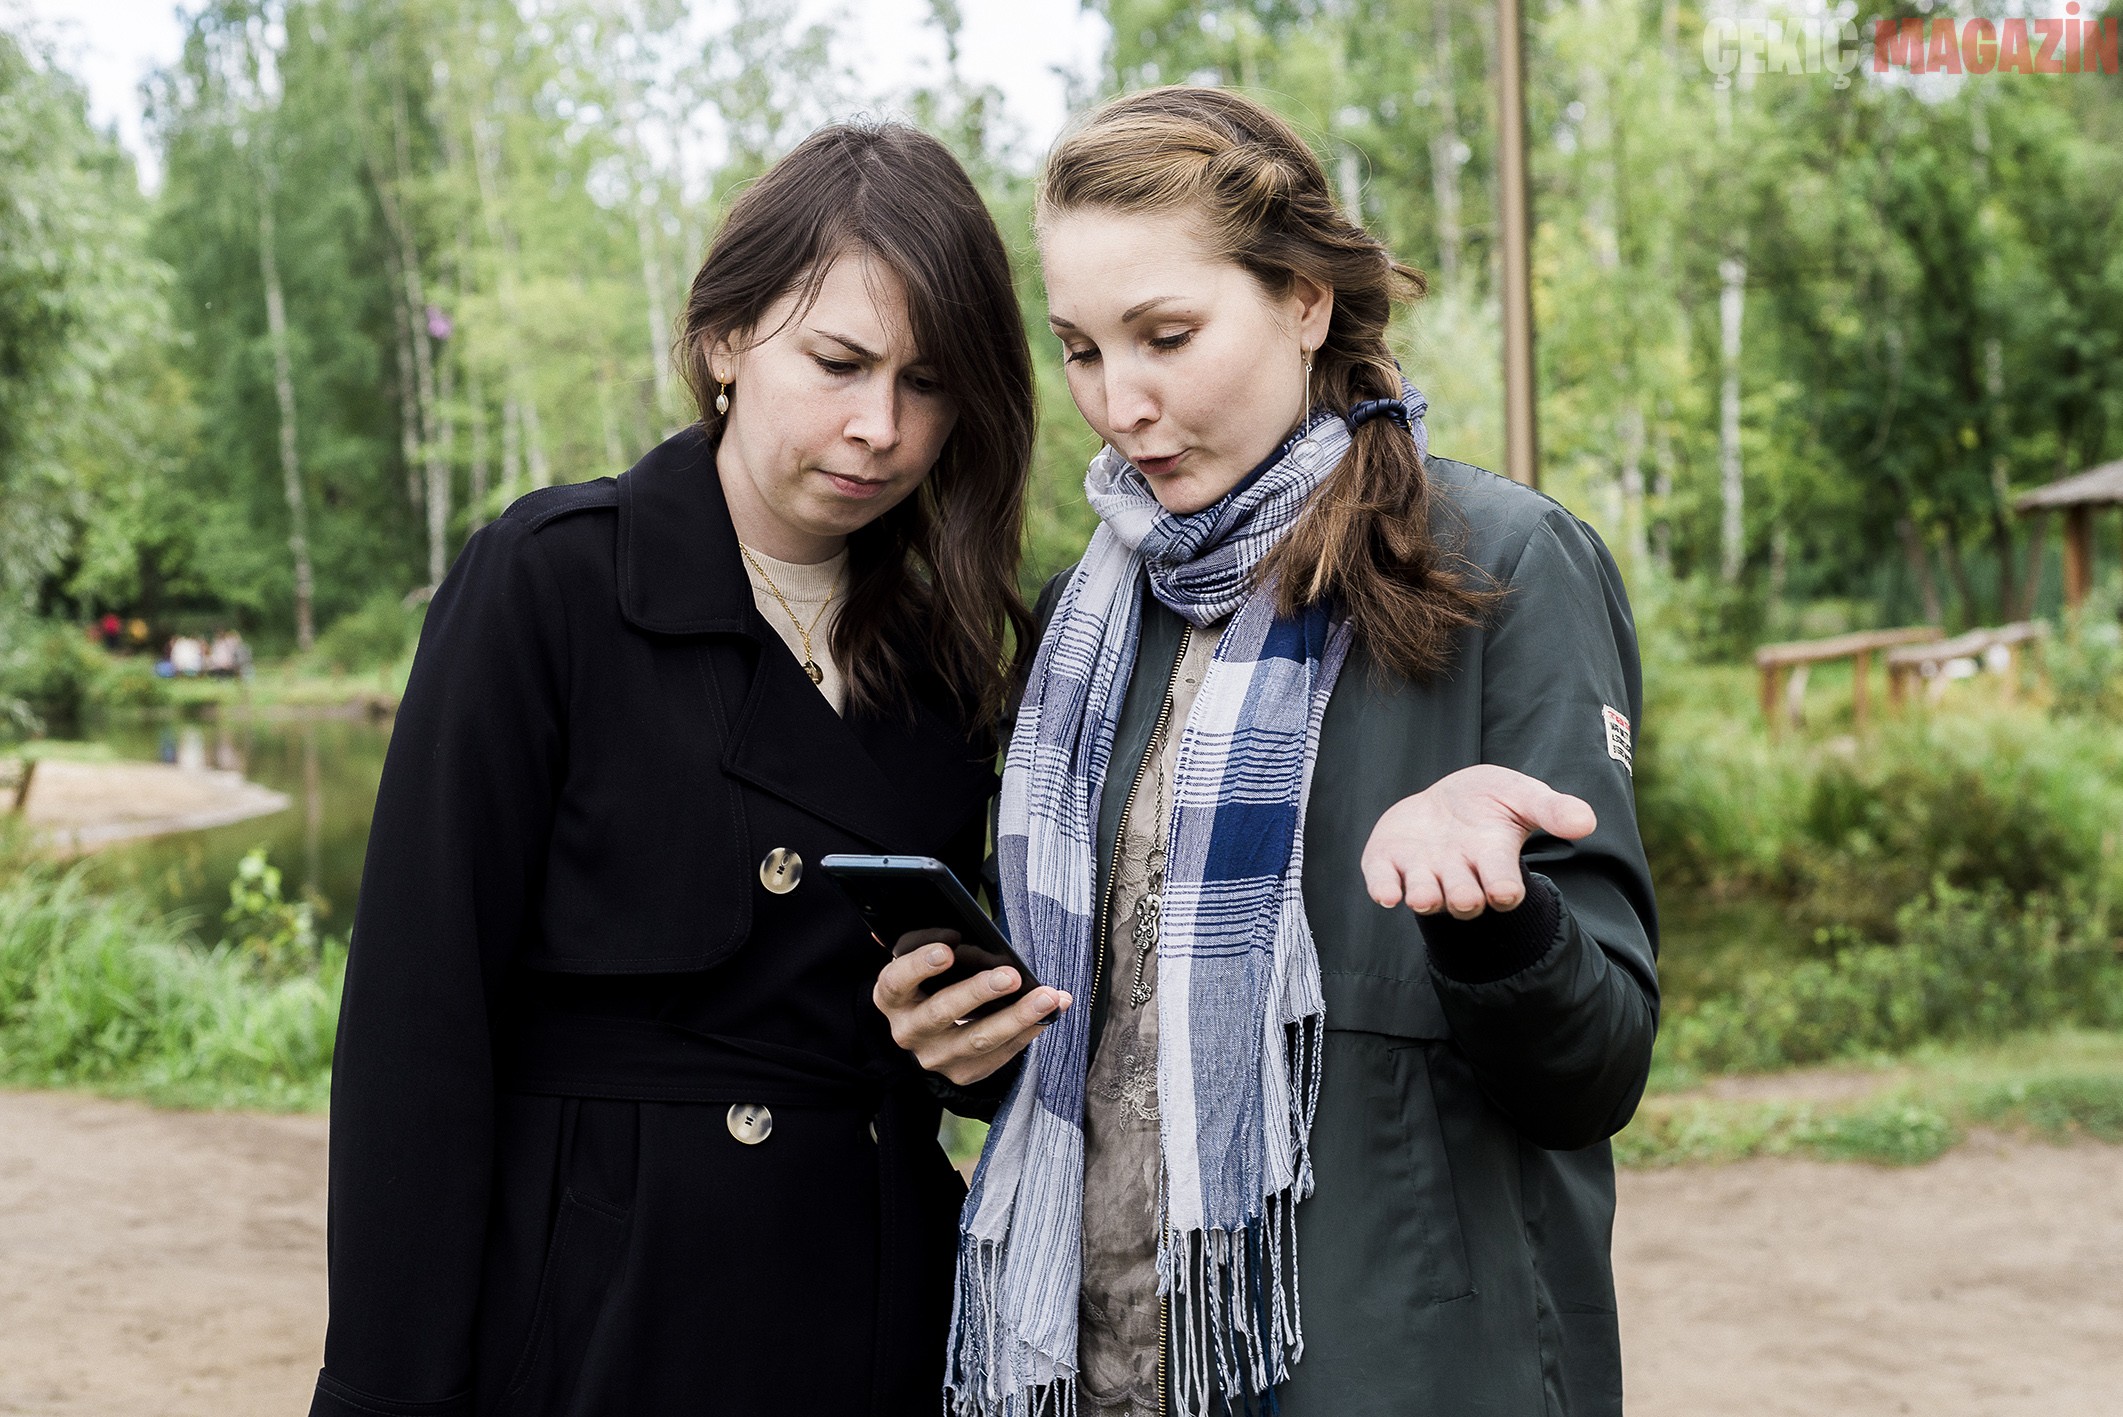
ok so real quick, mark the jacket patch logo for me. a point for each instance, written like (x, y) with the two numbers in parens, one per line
(1617, 737)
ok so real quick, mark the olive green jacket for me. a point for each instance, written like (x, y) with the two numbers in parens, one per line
(1454, 1258)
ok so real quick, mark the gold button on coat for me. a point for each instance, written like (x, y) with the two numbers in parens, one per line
(751, 1123)
(781, 870)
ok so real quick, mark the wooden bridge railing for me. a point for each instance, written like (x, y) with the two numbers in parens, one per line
(1777, 661)
(1925, 660)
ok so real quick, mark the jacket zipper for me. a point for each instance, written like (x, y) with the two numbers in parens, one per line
(1105, 912)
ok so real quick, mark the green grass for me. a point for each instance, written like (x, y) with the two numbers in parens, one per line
(2058, 1086)
(294, 683)
(99, 992)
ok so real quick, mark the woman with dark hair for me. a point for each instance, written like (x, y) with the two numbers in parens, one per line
(615, 1129)
(1304, 671)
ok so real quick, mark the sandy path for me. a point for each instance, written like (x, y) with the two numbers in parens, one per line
(77, 806)
(159, 1264)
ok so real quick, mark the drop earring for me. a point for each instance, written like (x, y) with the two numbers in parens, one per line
(1308, 388)
(722, 400)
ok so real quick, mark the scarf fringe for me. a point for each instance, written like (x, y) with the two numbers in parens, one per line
(1237, 1315)
(980, 1357)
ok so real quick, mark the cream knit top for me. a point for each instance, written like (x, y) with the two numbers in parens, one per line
(807, 588)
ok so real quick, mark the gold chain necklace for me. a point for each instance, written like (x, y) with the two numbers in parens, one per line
(810, 661)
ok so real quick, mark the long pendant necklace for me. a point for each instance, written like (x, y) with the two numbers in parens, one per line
(1148, 904)
(810, 661)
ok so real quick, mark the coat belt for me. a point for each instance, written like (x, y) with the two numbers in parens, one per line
(650, 1060)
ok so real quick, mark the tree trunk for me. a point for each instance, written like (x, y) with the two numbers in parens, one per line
(434, 456)
(1662, 492)
(1731, 305)
(1445, 149)
(1958, 567)
(298, 540)
(476, 408)
(408, 391)
(440, 470)
(486, 161)
(1633, 532)
(1920, 567)
(511, 449)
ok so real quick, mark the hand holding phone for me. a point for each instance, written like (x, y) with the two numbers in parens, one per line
(967, 1029)
(909, 901)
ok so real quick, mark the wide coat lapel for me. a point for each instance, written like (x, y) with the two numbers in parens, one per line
(680, 574)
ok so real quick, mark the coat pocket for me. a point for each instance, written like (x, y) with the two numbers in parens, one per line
(587, 1246)
(1381, 1240)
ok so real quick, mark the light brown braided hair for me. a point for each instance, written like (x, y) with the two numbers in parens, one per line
(1261, 199)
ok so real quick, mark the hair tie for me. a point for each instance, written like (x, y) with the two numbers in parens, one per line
(1395, 409)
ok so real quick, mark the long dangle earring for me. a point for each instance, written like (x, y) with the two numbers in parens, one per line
(722, 400)
(1308, 390)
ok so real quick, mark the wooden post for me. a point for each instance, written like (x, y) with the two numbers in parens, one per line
(2078, 555)
(1860, 672)
(1772, 699)
(29, 771)
(1521, 453)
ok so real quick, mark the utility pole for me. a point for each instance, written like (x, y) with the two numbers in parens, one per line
(1521, 450)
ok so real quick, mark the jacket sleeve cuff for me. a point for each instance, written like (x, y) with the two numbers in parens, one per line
(336, 1399)
(978, 1100)
(1497, 943)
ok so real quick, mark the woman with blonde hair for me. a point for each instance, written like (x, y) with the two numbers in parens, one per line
(1285, 1149)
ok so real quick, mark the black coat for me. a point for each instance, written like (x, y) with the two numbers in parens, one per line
(567, 969)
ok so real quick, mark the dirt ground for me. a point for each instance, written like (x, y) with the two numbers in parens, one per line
(161, 1264)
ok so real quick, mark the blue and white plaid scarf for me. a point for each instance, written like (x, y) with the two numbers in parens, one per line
(1239, 1005)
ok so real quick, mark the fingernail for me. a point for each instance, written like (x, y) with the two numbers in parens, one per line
(939, 955)
(999, 980)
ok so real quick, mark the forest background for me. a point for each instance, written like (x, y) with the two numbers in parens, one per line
(1800, 342)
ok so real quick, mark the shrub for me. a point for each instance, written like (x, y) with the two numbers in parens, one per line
(2085, 663)
(52, 679)
(1970, 965)
(102, 991)
(380, 633)
(278, 936)
(53, 673)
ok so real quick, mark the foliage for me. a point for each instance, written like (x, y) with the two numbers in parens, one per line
(98, 990)
(61, 678)
(2057, 1085)
(86, 409)
(1969, 965)
(378, 633)
(2084, 665)
(278, 936)
(1844, 829)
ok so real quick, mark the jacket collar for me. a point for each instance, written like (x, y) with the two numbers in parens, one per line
(884, 779)
(679, 572)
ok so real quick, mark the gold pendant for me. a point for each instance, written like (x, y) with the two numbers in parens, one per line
(810, 667)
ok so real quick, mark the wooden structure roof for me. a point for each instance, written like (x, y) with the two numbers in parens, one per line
(2076, 497)
(2096, 487)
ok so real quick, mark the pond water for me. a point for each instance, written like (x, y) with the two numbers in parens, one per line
(327, 766)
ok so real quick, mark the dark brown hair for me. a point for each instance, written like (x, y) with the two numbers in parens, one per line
(1262, 201)
(936, 576)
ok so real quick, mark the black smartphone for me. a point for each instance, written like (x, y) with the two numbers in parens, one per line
(898, 894)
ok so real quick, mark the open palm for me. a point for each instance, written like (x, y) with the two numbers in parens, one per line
(1455, 845)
